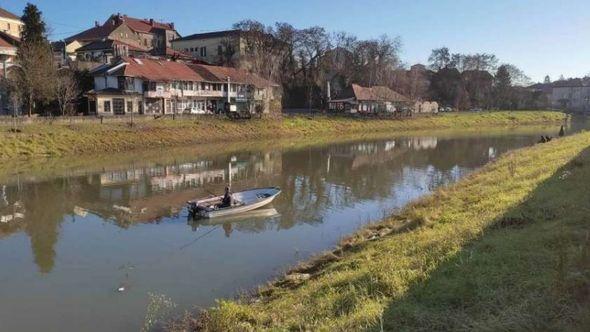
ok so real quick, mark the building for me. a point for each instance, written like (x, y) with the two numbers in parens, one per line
(151, 86)
(10, 23)
(368, 100)
(10, 32)
(423, 106)
(217, 47)
(106, 50)
(155, 37)
(571, 95)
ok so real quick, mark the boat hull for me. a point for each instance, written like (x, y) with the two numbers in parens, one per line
(248, 200)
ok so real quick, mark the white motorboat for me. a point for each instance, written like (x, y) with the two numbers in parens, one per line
(242, 201)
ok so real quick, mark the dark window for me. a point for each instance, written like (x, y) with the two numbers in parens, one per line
(107, 106)
(192, 49)
(203, 51)
(219, 50)
(126, 83)
(119, 105)
(130, 106)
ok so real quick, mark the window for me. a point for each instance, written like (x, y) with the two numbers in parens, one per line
(203, 51)
(107, 106)
(126, 83)
(130, 106)
(186, 49)
(219, 50)
(119, 105)
(192, 49)
(8, 25)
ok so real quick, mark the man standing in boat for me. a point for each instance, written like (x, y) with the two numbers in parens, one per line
(227, 199)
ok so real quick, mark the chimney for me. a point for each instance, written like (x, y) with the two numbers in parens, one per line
(151, 21)
(96, 24)
(328, 92)
(172, 25)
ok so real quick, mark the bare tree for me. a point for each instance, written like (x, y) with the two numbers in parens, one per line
(517, 76)
(264, 52)
(65, 91)
(34, 73)
(439, 58)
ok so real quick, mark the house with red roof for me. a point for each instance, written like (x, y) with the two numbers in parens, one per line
(124, 35)
(10, 32)
(160, 86)
(10, 23)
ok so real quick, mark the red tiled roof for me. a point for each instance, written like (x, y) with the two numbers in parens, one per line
(4, 43)
(108, 44)
(7, 40)
(220, 74)
(94, 33)
(145, 25)
(5, 13)
(157, 70)
(114, 21)
(177, 54)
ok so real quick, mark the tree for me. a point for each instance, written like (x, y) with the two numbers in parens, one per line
(547, 79)
(65, 90)
(263, 51)
(439, 58)
(35, 73)
(34, 29)
(517, 76)
(502, 87)
(479, 61)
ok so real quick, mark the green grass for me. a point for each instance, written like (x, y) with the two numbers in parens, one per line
(59, 139)
(506, 248)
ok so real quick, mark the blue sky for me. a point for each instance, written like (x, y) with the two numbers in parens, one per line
(539, 36)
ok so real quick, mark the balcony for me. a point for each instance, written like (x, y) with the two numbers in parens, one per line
(158, 94)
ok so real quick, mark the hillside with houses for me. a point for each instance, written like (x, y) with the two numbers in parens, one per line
(126, 65)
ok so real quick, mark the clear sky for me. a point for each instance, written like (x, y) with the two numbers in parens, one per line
(539, 36)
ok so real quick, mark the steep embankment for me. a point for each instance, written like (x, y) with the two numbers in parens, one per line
(83, 138)
(506, 248)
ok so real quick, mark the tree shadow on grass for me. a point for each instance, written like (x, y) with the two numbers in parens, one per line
(529, 271)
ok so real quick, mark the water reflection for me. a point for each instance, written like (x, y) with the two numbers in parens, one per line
(314, 181)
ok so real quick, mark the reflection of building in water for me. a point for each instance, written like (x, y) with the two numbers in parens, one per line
(198, 179)
(422, 143)
(147, 194)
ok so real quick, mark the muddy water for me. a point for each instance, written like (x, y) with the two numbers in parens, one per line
(70, 239)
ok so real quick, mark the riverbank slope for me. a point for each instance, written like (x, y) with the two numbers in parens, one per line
(506, 248)
(60, 139)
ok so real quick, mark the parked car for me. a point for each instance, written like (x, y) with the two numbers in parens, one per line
(194, 110)
(445, 109)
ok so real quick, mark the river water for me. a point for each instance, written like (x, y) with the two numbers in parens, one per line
(71, 237)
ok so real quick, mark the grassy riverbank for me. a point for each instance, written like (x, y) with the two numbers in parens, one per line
(87, 138)
(506, 248)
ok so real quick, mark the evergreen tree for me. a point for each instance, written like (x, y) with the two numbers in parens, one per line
(547, 79)
(34, 30)
(503, 87)
(34, 79)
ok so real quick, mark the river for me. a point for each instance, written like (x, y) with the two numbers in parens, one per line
(70, 238)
